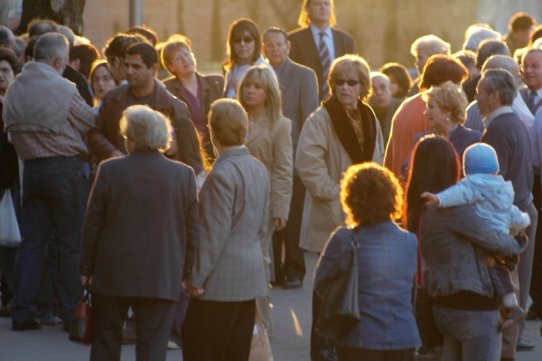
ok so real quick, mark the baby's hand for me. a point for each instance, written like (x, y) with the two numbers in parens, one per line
(430, 199)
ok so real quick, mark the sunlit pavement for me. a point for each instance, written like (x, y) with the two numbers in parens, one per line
(289, 339)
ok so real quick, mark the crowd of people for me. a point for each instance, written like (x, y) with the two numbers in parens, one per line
(179, 198)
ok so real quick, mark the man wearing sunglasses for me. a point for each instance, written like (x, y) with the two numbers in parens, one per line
(317, 43)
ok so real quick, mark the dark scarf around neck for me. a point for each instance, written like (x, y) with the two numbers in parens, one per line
(347, 135)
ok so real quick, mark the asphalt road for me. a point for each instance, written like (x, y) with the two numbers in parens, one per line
(289, 339)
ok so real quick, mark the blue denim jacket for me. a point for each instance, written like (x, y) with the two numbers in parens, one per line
(454, 244)
(387, 259)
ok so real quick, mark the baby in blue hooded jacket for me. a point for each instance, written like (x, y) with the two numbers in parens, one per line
(493, 199)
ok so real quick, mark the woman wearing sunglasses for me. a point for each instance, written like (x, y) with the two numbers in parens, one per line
(341, 132)
(244, 50)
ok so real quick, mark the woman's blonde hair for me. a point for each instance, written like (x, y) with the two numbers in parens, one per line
(147, 129)
(273, 100)
(229, 122)
(451, 99)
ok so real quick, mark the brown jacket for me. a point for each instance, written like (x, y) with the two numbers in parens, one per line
(211, 89)
(107, 138)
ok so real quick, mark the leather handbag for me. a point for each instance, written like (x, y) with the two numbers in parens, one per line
(339, 309)
(81, 323)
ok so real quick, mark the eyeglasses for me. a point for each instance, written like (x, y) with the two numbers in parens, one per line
(244, 39)
(349, 82)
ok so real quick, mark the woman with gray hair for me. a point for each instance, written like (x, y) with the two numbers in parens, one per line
(140, 228)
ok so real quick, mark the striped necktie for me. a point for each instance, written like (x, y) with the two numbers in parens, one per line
(325, 58)
(532, 101)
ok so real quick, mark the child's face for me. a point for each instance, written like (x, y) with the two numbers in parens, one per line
(182, 63)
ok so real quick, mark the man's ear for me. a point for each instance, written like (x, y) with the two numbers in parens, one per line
(154, 68)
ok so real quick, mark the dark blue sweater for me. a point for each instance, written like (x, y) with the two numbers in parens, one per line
(510, 138)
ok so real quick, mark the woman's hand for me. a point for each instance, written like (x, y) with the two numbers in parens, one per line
(195, 291)
(280, 223)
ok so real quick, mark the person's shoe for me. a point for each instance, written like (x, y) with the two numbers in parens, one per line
(5, 311)
(514, 315)
(25, 326)
(524, 345)
(291, 283)
(533, 315)
(50, 320)
(172, 345)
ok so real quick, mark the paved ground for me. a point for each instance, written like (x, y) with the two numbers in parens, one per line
(289, 341)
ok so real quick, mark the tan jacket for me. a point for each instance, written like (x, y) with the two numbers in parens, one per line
(320, 162)
(272, 145)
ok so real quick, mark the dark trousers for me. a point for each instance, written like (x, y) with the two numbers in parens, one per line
(322, 349)
(362, 354)
(153, 323)
(178, 316)
(218, 331)
(429, 332)
(536, 277)
(54, 199)
(294, 258)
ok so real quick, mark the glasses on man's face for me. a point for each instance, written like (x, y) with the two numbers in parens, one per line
(349, 82)
(244, 39)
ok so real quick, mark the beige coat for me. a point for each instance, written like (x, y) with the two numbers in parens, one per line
(272, 145)
(320, 162)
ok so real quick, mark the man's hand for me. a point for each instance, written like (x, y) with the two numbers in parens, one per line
(430, 199)
(116, 154)
(86, 280)
(280, 223)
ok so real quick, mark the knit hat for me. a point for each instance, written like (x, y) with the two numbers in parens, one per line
(480, 158)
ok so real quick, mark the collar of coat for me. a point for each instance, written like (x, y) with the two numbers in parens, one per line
(347, 135)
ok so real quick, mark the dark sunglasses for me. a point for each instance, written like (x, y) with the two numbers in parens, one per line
(244, 39)
(350, 82)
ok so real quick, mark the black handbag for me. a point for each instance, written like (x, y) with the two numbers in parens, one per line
(339, 309)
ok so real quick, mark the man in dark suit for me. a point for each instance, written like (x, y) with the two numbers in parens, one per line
(299, 92)
(316, 44)
(531, 68)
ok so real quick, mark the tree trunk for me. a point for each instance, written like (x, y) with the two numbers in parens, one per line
(64, 12)
(217, 46)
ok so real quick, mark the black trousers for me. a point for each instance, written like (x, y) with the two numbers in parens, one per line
(294, 258)
(322, 349)
(153, 324)
(218, 331)
(536, 278)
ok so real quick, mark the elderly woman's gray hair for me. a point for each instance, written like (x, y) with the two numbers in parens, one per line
(146, 129)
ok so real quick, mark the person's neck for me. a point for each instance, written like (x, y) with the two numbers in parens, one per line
(255, 112)
(241, 62)
(143, 91)
(321, 25)
(188, 79)
(277, 65)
